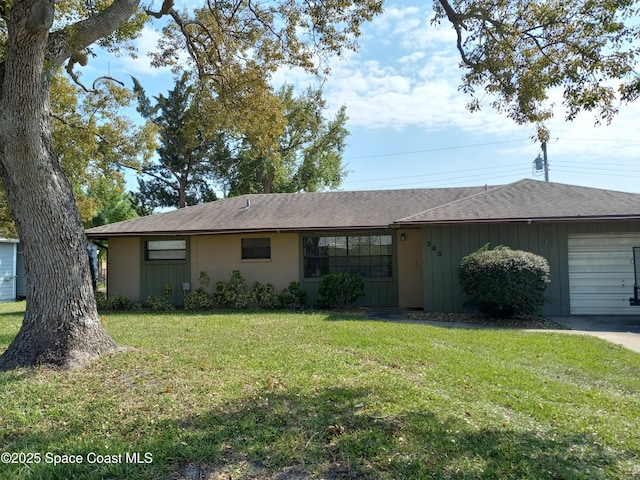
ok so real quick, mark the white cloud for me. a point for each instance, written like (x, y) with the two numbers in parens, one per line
(412, 58)
(415, 83)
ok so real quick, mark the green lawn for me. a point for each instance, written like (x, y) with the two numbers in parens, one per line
(293, 396)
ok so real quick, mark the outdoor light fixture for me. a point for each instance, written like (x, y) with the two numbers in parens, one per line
(403, 237)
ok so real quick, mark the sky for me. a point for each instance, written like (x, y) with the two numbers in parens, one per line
(408, 122)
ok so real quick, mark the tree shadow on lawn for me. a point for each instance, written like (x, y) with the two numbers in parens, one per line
(334, 434)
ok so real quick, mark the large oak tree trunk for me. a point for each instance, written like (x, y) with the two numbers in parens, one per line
(61, 326)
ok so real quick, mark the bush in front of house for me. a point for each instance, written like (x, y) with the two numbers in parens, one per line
(115, 302)
(264, 295)
(232, 294)
(293, 297)
(162, 303)
(501, 282)
(340, 290)
(199, 299)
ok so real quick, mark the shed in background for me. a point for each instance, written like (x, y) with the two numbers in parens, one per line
(8, 269)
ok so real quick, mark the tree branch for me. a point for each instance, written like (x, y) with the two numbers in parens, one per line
(161, 179)
(167, 5)
(62, 44)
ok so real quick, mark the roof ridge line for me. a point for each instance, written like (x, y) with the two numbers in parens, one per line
(459, 200)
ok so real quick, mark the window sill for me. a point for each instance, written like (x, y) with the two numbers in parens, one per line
(255, 260)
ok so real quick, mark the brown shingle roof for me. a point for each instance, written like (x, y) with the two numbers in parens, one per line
(532, 200)
(289, 211)
(519, 201)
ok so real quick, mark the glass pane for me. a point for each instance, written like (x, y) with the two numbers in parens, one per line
(167, 255)
(383, 269)
(323, 245)
(356, 245)
(324, 266)
(342, 262)
(363, 271)
(312, 267)
(167, 245)
(386, 245)
(166, 250)
(339, 246)
(365, 246)
(311, 246)
(253, 248)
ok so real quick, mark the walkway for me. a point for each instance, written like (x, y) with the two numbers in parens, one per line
(621, 330)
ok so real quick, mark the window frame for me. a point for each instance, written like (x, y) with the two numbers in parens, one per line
(266, 250)
(347, 252)
(168, 259)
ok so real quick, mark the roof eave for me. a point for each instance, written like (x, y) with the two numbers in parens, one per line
(576, 218)
(189, 233)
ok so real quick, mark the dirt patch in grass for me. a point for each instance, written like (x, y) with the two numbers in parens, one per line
(522, 321)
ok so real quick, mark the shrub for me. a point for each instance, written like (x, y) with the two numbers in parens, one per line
(115, 302)
(504, 282)
(340, 290)
(232, 294)
(199, 299)
(292, 297)
(264, 296)
(162, 303)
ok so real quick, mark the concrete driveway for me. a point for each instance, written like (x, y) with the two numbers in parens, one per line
(621, 330)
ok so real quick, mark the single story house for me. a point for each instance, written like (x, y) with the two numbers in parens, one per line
(406, 244)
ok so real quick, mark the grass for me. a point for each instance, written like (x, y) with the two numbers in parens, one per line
(295, 396)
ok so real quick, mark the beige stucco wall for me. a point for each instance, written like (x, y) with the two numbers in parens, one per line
(123, 268)
(410, 291)
(218, 255)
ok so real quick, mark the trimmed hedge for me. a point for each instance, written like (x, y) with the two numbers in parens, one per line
(504, 282)
(340, 290)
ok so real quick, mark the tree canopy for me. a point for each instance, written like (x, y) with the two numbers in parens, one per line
(517, 51)
(185, 172)
(307, 155)
(94, 140)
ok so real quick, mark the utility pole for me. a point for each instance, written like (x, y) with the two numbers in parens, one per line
(545, 161)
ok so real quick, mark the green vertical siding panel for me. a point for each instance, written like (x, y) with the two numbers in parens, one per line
(157, 274)
(437, 282)
(523, 237)
(442, 291)
(443, 259)
(468, 243)
(549, 242)
(378, 293)
(428, 234)
(441, 287)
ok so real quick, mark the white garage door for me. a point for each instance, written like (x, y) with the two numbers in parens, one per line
(601, 274)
